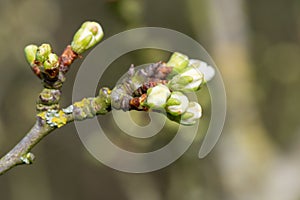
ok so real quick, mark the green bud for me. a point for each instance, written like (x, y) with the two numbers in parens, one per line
(157, 96)
(178, 61)
(51, 62)
(27, 158)
(177, 103)
(189, 80)
(30, 53)
(206, 70)
(192, 114)
(89, 34)
(43, 52)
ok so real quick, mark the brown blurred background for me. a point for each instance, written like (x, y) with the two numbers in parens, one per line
(255, 44)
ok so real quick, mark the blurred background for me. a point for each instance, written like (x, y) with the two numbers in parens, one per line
(256, 46)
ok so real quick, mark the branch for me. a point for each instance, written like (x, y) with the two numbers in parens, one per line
(50, 120)
(158, 87)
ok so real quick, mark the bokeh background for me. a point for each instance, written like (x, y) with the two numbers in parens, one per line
(256, 46)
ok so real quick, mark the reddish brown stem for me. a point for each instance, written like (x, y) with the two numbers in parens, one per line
(66, 59)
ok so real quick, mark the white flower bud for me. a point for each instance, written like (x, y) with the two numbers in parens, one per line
(177, 103)
(207, 71)
(189, 80)
(157, 96)
(192, 114)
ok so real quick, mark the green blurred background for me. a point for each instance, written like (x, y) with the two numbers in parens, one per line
(255, 44)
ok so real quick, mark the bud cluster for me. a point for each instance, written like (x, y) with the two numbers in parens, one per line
(175, 103)
(45, 63)
(188, 75)
(42, 59)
